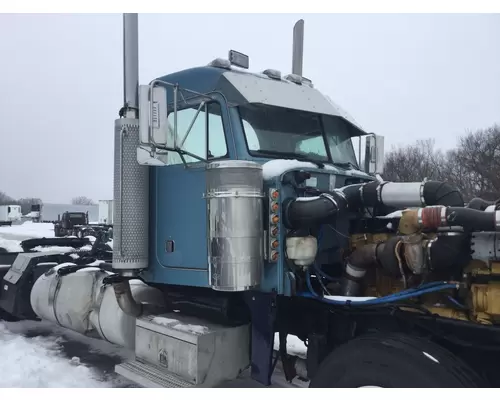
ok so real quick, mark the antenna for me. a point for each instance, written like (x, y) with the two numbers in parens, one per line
(298, 47)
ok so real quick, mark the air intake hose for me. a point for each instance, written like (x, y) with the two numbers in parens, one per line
(468, 218)
(304, 212)
(403, 194)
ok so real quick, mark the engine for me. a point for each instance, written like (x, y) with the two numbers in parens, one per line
(398, 243)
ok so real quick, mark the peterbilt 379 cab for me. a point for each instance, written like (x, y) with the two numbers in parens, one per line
(241, 211)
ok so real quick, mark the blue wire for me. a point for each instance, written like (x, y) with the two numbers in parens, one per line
(456, 302)
(381, 300)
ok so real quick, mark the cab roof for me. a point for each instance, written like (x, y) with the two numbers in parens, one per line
(241, 87)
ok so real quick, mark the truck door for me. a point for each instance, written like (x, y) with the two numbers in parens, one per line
(178, 213)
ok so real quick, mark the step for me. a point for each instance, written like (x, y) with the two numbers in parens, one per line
(149, 376)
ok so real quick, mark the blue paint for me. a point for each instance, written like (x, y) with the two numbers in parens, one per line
(178, 211)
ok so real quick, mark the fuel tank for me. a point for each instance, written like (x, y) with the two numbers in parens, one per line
(79, 301)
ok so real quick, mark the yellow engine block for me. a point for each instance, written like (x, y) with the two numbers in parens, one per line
(482, 300)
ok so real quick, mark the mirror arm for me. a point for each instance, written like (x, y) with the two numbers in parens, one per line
(191, 124)
(176, 88)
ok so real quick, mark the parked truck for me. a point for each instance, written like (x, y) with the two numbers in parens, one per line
(71, 224)
(241, 211)
(10, 213)
(106, 212)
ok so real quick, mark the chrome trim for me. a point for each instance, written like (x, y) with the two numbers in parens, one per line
(419, 216)
(443, 216)
(355, 272)
(421, 191)
(330, 197)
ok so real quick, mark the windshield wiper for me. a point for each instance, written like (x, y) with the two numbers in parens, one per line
(290, 154)
(346, 164)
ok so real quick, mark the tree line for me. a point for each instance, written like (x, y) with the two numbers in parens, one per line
(473, 165)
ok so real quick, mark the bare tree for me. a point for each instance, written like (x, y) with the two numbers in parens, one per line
(414, 163)
(478, 155)
(474, 166)
(82, 200)
(5, 199)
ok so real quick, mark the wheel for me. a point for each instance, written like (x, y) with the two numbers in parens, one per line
(393, 360)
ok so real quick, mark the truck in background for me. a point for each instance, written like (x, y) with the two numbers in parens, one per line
(36, 212)
(106, 212)
(71, 224)
(10, 213)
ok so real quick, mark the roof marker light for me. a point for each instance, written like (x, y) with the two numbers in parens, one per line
(238, 59)
(272, 73)
(294, 78)
(220, 63)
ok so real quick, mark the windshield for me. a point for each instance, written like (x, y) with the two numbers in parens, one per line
(285, 133)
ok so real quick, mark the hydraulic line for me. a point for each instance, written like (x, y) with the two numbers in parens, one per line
(406, 294)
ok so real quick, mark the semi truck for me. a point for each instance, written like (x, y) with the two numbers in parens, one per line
(10, 213)
(240, 212)
(106, 212)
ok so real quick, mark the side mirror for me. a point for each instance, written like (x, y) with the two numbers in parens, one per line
(374, 154)
(154, 129)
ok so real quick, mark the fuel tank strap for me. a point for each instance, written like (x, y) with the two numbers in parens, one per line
(53, 290)
(97, 309)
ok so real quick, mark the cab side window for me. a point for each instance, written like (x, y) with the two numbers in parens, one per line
(206, 125)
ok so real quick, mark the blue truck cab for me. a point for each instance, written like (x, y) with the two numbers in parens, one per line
(217, 113)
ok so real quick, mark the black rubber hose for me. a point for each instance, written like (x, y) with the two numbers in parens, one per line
(479, 204)
(442, 194)
(470, 219)
(386, 256)
(449, 252)
(361, 195)
(304, 212)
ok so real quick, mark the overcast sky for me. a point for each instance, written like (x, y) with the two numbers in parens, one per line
(406, 77)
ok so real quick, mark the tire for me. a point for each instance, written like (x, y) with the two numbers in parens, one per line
(393, 360)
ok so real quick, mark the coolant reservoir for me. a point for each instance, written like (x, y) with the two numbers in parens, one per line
(302, 249)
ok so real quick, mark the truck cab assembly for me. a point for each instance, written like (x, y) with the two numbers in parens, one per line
(240, 211)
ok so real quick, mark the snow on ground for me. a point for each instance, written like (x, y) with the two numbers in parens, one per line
(294, 346)
(12, 246)
(40, 361)
(41, 354)
(27, 230)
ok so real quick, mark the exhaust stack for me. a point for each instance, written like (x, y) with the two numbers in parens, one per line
(298, 47)
(131, 180)
(131, 65)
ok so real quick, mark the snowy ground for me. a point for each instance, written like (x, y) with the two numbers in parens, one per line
(40, 354)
